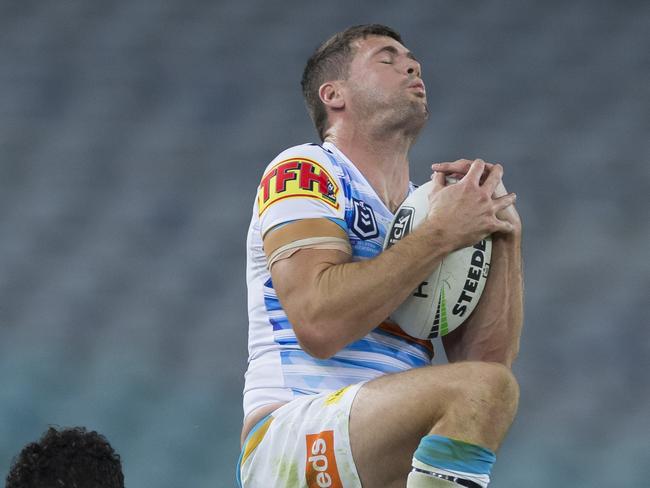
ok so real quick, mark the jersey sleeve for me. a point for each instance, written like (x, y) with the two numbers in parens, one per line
(301, 183)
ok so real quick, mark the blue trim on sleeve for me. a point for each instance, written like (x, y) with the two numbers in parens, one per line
(340, 222)
(443, 452)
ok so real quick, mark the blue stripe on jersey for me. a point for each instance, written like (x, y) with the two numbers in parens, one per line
(272, 303)
(424, 350)
(276, 314)
(306, 384)
(365, 249)
(394, 352)
(299, 357)
(365, 345)
(301, 392)
(311, 384)
(280, 323)
(286, 341)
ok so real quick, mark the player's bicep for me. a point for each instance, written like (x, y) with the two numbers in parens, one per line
(283, 241)
(295, 279)
(297, 282)
(297, 253)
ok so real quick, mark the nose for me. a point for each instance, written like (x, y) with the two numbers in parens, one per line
(413, 68)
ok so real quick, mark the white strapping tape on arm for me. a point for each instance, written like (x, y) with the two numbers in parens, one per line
(288, 250)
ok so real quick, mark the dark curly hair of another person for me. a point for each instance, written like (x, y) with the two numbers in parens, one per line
(70, 458)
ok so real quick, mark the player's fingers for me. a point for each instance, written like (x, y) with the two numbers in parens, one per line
(504, 201)
(486, 172)
(459, 166)
(494, 178)
(438, 179)
(502, 226)
(475, 171)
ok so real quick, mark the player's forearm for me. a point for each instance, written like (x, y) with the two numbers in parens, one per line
(493, 331)
(349, 300)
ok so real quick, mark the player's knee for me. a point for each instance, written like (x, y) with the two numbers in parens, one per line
(490, 390)
(503, 386)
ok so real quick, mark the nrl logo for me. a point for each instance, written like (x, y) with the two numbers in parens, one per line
(365, 224)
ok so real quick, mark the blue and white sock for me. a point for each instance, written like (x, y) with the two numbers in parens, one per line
(440, 458)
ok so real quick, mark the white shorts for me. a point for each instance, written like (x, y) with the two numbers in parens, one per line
(303, 444)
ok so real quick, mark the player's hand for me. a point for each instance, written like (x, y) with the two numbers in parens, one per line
(460, 167)
(466, 212)
(508, 214)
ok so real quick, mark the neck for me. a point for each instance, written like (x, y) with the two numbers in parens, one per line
(382, 158)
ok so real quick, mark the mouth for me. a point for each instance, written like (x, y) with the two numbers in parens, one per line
(417, 85)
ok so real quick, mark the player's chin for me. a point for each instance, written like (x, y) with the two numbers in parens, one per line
(419, 103)
(419, 113)
(419, 96)
(414, 113)
(421, 109)
(425, 109)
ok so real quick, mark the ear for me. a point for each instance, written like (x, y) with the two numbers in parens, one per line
(331, 95)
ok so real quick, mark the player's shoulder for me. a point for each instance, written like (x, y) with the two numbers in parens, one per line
(301, 177)
(310, 152)
(306, 164)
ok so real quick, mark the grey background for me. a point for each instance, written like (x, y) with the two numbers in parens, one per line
(132, 137)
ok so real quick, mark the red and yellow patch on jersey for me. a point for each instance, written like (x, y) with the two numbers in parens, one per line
(297, 178)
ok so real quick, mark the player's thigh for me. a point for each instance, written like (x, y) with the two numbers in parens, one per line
(387, 421)
(391, 414)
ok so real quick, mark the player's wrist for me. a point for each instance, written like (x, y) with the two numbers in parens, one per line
(440, 238)
(509, 241)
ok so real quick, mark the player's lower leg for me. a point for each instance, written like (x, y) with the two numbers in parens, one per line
(479, 413)
(443, 462)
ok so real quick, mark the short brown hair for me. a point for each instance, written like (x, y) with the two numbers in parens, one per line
(331, 61)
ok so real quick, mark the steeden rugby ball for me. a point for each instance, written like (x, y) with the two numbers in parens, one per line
(445, 300)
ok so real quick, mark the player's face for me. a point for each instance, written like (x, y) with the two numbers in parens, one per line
(384, 77)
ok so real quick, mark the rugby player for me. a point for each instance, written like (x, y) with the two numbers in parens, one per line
(336, 394)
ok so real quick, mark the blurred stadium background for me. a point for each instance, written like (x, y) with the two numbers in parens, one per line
(132, 136)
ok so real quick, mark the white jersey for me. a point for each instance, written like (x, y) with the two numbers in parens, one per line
(307, 182)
